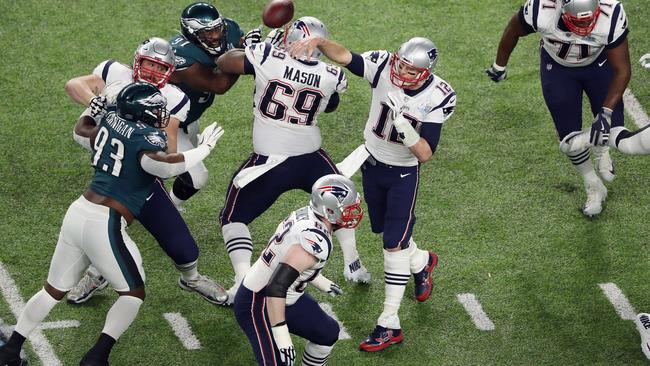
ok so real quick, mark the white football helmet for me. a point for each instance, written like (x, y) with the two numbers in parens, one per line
(158, 51)
(334, 198)
(419, 54)
(305, 27)
(580, 16)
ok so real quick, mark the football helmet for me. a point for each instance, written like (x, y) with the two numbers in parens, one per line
(580, 16)
(143, 102)
(334, 198)
(201, 23)
(158, 51)
(418, 55)
(302, 28)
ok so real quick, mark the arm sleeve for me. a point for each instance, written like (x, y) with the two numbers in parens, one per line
(161, 169)
(356, 65)
(333, 103)
(431, 133)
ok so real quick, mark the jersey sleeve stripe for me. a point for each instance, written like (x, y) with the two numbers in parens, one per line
(618, 41)
(535, 13)
(445, 101)
(180, 105)
(324, 236)
(612, 28)
(341, 76)
(524, 24)
(105, 70)
(380, 69)
(267, 51)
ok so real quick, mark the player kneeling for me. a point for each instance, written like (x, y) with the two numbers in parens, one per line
(271, 303)
(128, 148)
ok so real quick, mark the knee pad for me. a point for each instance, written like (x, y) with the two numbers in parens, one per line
(574, 142)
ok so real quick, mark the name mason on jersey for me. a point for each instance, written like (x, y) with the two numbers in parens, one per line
(119, 125)
(301, 77)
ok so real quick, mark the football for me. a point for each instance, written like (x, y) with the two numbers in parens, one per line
(277, 13)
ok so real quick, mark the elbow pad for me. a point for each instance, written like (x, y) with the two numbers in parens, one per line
(160, 168)
(283, 276)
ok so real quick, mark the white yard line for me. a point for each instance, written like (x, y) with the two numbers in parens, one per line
(182, 330)
(327, 308)
(618, 300)
(635, 110)
(42, 347)
(475, 311)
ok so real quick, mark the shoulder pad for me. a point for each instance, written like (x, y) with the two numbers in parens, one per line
(376, 56)
(316, 243)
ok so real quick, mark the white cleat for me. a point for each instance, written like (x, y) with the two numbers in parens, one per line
(604, 163)
(596, 195)
(356, 272)
(232, 292)
(642, 322)
(207, 288)
(86, 288)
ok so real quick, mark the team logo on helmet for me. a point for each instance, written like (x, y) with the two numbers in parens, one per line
(300, 25)
(433, 54)
(339, 192)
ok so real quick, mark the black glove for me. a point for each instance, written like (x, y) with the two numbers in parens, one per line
(253, 36)
(495, 74)
(599, 135)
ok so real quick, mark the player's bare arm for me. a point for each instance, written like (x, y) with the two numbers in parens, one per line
(202, 78)
(86, 128)
(232, 62)
(84, 88)
(619, 59)
(333, 50)
(514, 30)
(172, 134)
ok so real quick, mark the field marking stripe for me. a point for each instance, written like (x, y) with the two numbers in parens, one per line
(618, 300)
(42, 347)
(475, 311)
(182, 330)
(327, 308)
(60, 324)
(635, 110)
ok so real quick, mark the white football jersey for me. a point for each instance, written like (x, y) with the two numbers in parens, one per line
(289, 96)
(303, 228)
(566, 47)
(117, 75)
(433, 104)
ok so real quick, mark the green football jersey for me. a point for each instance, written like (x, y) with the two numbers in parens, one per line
(116, 159)
(188, 54)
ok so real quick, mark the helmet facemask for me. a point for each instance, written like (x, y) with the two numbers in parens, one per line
(211, 37)
(157, 117)
(580, 22)
(405, 75)
(152, 74)
(351, 215)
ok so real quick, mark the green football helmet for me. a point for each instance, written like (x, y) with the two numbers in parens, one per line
(202, 24)
(143, 103)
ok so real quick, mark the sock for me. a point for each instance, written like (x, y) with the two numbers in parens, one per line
(34, 312)
(582, 162)
(16, 341)
(102, 347)
(121, 315)
(396, 276)
(418, 258)
(189, 271)
(632, 143)
(315, 354)
(239, 246)
(348, 243)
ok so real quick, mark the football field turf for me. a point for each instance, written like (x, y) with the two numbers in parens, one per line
(498, 201)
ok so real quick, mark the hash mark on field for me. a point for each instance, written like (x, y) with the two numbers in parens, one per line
(618, 300)
(635, 110)
(42, 347)
(182, 330)
(475, 311)
(327, 308)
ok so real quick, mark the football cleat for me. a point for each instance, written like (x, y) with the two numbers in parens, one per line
(88, 360)
(10, 356)
(604, 163)
(596, 195)
(86, 288)
(423, 279)
(207, 288)
(356, 272)
(381, 338)
(643, 324)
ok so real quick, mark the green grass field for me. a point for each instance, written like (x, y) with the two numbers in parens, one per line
(498, 202)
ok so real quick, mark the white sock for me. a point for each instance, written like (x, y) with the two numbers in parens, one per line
(582, 162)
(348, 242)
(632, 143)
(34, 312)
(121, 315)
(316, 354)
(189, 271)
(396, 275)
(177, 201)
(418, 258)
(239, 246)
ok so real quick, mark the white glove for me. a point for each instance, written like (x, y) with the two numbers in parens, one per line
(98, 106)
(407, 133)
(253, 36)
(326, 285)
(396, 104)
(211, 135)
(645, 61)
(275, 37)
(284, 344)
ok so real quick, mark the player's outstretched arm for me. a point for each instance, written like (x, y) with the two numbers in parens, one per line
(619, 60)
(232, 62)
(166, 165)
(202, 78)
(83, 89)
(85, 131)
(514, 30)
(333, 50)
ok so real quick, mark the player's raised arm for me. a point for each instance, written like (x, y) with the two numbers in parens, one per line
(83, 89)
(331, 49)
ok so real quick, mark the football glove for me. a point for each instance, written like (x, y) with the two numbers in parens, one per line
(326, 285)
(98, 106)
(396, 104)
(275, 37)
(407, 133)
(645, 61)
(599, 134)
(284, 344)
(497, 73)
(211, 135)
(253, 36)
